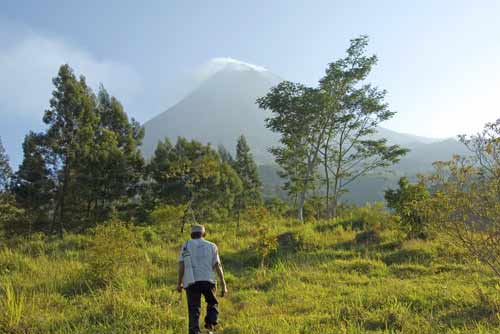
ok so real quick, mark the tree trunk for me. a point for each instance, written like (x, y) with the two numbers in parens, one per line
(327, 178)
(335, 196)
(300, 210)
(62, 200)
(334, 206)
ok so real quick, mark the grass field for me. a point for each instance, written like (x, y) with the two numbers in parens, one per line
(315, 279)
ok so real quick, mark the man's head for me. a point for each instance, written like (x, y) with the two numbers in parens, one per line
(197, 231)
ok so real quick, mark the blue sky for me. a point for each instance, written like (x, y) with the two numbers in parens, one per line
(439, 60)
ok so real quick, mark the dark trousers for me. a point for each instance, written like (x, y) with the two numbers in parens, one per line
(194, 292)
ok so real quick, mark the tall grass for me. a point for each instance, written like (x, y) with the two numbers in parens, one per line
(313, 278)
(12, 306)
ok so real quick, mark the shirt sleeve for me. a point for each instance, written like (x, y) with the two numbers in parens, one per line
(181, 258)
(216, 258)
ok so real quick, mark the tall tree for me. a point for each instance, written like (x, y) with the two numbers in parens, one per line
(89, 152)
(246, 168)
(71, 121)
(34, 183)
(300, 116)
(350, 149)
(114, 167)
(5, 170)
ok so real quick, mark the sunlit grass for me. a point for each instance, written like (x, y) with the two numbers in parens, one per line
(317, 280)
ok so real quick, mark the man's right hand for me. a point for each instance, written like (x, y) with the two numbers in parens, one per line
(223, 290)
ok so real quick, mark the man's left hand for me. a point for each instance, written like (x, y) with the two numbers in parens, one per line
(179, 287)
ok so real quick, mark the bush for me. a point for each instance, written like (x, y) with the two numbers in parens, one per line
(289, 242)
(113, 250)
(277, 207)
(372, 236)
(365, 217)
(406, 201)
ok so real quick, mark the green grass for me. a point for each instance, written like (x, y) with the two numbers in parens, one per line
(316, 280)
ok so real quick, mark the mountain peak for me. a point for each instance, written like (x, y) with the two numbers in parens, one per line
(220, 64)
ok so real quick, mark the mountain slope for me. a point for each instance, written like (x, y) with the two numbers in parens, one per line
(221, 109)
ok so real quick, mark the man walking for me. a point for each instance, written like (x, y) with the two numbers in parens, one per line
(198, 260)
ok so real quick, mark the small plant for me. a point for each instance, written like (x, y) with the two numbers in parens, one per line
(12, 303)
(266, 243)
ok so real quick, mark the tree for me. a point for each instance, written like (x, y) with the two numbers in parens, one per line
(246, 168)
(10, 215)
(355, 110)
(71, 121)
(465, 206)
(87, 162)
(299, 115)
(192, 174)
(34, 183)
(332, 125)
(406, 200)
(112, 170)
(225, 155)
(485, 147)
(5, 170)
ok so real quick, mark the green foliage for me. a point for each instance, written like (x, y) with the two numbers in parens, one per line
(406, 201)
(193, 174)
(170, 219)
(12, 218)
(465, 207)
(298, 118)
(365, 217)
(112, 252)
(277, 207)
(246, 168)
(34, 183)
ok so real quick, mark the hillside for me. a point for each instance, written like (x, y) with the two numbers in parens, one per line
(318, 280)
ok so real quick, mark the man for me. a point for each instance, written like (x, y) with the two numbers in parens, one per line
(198, 260)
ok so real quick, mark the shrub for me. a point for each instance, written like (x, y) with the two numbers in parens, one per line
(289, 242)
(371, 236)
(365, 217)
(113, 250)
(406, 201)
(277, 207)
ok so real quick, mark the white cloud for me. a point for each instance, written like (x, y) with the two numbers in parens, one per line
(29, 61)
(28, 64)
(216, 64)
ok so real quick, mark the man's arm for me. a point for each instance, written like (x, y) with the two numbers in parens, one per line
(220, 273)
(181, 275)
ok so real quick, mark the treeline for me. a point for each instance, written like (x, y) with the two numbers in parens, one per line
(87, 167)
